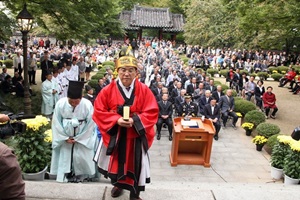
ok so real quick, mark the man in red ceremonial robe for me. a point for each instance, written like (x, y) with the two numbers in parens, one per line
(122, 153)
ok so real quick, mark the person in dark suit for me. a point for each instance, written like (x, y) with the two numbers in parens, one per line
(157, 90)
(89, 94)
(192, 87)
(226, 103)
(236, 80)
(203, 101)
(200, 91)
(99, 86)
(176, 91)
(188, 108)
(178, 101)
(211, 87)
(218, 93)
(212, 112)
(258, 93)
(19, 87)
(164, 90)
(46, 65)
(165, 116)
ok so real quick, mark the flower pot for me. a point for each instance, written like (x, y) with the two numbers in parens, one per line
(290, 181)
(276, 173)
(39, 176)
(248, 132)
(259, 147)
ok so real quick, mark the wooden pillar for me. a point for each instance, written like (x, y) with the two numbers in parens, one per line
(160, 34)
(140, 34)
(173, 37)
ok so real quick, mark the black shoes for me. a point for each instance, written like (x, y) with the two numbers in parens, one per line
(116, 192)
(216, 137)
(158, 137)
(170, 138)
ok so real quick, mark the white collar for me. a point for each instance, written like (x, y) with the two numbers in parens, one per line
(126, 92)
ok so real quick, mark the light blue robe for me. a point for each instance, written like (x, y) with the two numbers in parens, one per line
(48, 97)
(63, 122)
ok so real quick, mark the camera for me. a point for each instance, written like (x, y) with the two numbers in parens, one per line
(13, 128)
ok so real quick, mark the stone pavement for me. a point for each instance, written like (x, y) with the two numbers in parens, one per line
(237, 171)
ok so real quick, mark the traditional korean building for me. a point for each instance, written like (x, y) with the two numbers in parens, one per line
(162, 19)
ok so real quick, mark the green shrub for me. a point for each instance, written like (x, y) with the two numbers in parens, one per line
(256, 117)
(267, 129)
(272, 141)
(212, 72)
(238, 99)
(93, 83)
(242, 71)
(112, 67)
(271, 69)
(280, 69)
(111, 63)
(253, 74)
(224, 87)
(99, 66)
(97, 76)
(224, 72)
(297, 69)
(243, 106)
(8, 63)
(276, 76)
(263, 75)
(185, 59)
(216, 83)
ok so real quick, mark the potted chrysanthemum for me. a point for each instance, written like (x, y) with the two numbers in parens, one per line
(33, 151)
(248, 127)
(260, 141)
(291, 167)
(278, 154)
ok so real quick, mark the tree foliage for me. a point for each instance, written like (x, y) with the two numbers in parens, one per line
(6, 25)
(243, 23)
(72, 19)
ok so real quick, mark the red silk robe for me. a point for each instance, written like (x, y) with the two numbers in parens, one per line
(144, 111)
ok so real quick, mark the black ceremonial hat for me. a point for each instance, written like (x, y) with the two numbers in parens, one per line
(75, 89)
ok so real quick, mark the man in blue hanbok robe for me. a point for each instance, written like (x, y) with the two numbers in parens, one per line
(74, 137)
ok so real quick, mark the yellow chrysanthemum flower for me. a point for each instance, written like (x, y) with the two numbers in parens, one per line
(285, 139)
(48, 134)
(36, 123)
(239, 114)
(295, 145)
(247, 126)
(259, 139)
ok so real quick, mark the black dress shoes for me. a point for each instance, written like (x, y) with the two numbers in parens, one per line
(170, 138)
(216, 137)
(116, 192)
(158, 137)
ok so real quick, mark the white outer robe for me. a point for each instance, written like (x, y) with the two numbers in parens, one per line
(48, 97)
(85, 138)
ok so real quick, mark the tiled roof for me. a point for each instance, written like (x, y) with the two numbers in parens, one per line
(178, 23)
(146, 17)
(125, 17)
